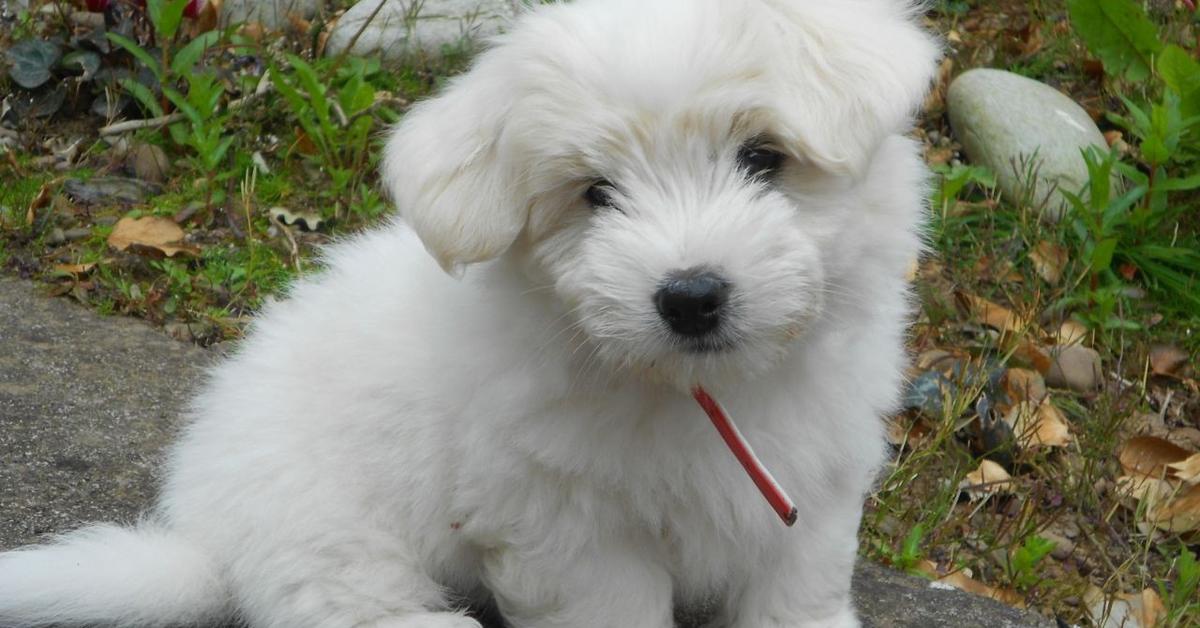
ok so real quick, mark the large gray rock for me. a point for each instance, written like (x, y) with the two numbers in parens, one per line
(1015, 126)
(272, 14)
(402, 27)
(87, 405)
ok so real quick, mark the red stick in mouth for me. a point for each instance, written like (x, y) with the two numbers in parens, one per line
(766, 484)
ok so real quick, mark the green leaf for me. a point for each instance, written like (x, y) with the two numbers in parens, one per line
(138, 53)
(184, 106)
(186, 58)
(166, 16)
(1181, 73)
(86, 60)
(143, 95)
(1119, 33)
(1181, 184)
(31, 61)
(1102, 255)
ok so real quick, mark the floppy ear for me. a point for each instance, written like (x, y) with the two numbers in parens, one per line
(860, 71)
(445, 168)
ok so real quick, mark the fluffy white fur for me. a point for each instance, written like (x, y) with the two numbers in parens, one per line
(391, 442)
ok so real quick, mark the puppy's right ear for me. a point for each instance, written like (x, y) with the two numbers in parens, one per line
(446, 170)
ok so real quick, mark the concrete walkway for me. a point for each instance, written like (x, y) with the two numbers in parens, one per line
(87, 404)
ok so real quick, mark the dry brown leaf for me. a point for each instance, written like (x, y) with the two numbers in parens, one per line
(1135, 489)
(1127, 610)
(1149, 455)
(939, 155)
(150, 233)
(1024, 385)
(75, 269)
(1167, 359)
(927, 567)
(1187, 470)
(1049, 260)
(988, 479)
(1181, 513)
(991, 314)
(41, 200)
(1071, 332)
(963, 582)
(1039, 424)
(1035, 355)
(1152, 608)
(934, 358)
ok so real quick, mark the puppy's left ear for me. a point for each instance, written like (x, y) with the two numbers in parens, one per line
(865, 68)
(446, 169)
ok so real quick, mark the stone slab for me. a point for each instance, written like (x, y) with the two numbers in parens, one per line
(401, 28)
(88, 403)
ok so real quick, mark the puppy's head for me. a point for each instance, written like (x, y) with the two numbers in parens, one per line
(681, 171)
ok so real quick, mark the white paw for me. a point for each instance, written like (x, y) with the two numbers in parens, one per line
(424, 620)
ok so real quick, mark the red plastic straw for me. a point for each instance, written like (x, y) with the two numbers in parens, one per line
(766, 484)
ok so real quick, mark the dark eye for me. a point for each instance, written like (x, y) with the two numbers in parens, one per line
(759, 161)
(599, 194)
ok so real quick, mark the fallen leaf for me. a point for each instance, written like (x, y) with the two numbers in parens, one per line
(1127, 610)
(1071, 332)
(991, 314)
(150, 233)
(1024, 385)
(1186, 470)
(1181, 513)
(939, 155)
(986, 480)
(41, 200)
(1149, 455)
(1140, 488)
(927, 567)
(963, 582)
(1039, 424)
(74, 269)
(1167, 359)
(305, 220)
(1049, 260)
(1034, 355)
(935, 359)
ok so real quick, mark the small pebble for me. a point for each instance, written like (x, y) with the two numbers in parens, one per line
(56, 236)
(77, 233)
(105, 221)
(933, 137)
(1075, 367)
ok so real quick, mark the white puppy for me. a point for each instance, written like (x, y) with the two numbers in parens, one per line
(640, 196)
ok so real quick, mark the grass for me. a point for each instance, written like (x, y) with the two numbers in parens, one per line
(1054, 539)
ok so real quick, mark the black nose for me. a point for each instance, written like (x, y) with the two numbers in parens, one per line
(691, 301)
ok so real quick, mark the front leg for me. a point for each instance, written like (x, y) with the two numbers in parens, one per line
(805, 581)
(609, 583)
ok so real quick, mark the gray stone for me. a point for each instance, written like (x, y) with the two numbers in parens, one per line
(404, 27)
(77, 233)
(87, 405)
(57, 236)
(1015, 125)
(149, 163)
(1075, 367)
(272, 14)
